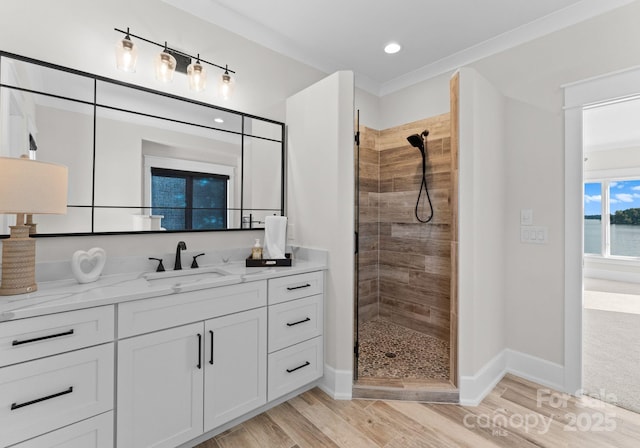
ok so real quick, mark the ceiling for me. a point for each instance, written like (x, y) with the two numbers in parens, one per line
(437, 36)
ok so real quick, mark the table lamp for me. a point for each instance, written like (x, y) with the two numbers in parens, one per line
(27, 187)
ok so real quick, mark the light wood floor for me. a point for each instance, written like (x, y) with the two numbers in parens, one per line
(517, 413)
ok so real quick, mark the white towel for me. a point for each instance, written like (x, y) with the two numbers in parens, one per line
(275, 236)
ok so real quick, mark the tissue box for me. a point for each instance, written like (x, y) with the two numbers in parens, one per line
(251, 263)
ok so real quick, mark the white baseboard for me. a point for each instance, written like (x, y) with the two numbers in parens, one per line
(538, 370)
(473, 389)
(337, 383)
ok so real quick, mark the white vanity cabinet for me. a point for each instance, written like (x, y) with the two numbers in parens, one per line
(174, 384)
(58, 370)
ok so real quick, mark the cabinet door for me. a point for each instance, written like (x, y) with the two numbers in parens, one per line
(160, 388)
(236, 366)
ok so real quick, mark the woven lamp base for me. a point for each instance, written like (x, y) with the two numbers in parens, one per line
(18, 263)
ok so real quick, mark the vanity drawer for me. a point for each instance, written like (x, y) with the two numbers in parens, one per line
(294, 321)
(96, 432)
(147, 315)
(294, 367)
(36, 337)
(292, 287)
(46, 394)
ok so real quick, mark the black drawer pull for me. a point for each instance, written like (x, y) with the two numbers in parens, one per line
(298, 287)
(211, 359)
(299, 367)
(298, 323)
(199, 351)
(15, 406)
(42, 338)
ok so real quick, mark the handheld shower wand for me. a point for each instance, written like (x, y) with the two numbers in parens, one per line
(418, 141)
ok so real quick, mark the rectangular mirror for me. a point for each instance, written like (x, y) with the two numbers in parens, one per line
(139, 160)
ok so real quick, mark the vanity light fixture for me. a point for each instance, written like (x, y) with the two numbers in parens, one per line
(197, 75)
(226, 85)
(27, 187)
(126, 54)
(166, 64)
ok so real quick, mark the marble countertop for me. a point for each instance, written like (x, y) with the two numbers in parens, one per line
(66, 295)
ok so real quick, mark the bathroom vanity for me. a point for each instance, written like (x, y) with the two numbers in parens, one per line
(130, 362)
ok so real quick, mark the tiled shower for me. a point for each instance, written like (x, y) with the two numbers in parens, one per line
(404, 266)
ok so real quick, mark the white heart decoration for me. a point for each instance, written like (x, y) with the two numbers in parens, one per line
(94, 258)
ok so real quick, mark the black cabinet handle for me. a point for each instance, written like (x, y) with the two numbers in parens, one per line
(298, 287)
(299, 367)
(42, 338)
(15, 406)
(298, 323)
(199, 351)
(211, 360)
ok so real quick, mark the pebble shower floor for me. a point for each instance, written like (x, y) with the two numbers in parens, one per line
(388, 350)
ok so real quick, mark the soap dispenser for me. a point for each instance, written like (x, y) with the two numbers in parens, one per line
(256, 250)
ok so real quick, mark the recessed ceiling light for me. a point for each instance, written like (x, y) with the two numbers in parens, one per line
(392, 48)
(218, 120)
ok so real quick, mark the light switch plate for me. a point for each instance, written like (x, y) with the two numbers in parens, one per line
(526, 217)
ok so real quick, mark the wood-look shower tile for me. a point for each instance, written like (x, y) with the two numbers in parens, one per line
(420, 311)
(440, 285)
(369, 185)
(368, 214)
(385, 185)
(368, 258)
(368, 155)
(446, 145)
(422, 231)
(412, 261)
(438, 265)
(439, 317)
(369, 170)
(400, 292)
(368, 312)
(368, 228)
(411, 182)
(368, 137)
(368, 273)
(367, 242)
(427, 247)
(393, 273)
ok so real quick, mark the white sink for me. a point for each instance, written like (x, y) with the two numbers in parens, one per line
(192, 279)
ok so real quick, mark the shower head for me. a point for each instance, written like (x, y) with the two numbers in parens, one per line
(417, 140)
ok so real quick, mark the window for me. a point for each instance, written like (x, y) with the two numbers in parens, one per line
(189, 200)
(618, 233)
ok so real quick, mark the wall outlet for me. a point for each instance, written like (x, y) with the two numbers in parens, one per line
(534, 234)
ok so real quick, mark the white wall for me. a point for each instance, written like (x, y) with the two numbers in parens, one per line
(482, 199)
(320, 200)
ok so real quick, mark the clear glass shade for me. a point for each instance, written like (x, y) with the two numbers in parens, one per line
(197, 75)
(126, 55)
(226, 86)
(165, 66)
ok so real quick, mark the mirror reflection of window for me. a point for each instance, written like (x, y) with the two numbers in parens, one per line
(188, 200)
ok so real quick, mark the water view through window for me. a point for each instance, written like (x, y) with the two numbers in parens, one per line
(622, 217)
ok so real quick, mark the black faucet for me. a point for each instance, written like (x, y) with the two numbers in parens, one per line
(178, 264)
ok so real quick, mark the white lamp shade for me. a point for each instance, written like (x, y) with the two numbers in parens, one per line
(165, 66)
(126, 55)
(226, 86)
(197, 76)
(32, 187)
